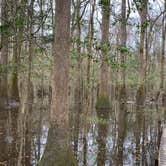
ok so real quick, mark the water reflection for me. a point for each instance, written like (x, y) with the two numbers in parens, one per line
(8, 137)
(103, 122)
(125, 135)
(137, 132)
(122, 120)
(19, 133)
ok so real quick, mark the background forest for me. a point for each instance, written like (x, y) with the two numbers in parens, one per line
(80, 64)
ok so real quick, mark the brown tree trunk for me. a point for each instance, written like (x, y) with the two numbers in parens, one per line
(4, 58)
(122, 105)
(58, 150)
(162, 72)
(142, 10)
(123, 40)
(123, 52)
(90, 54)
(61, 62)
(103, 98)
(14, 81)
(30, 56)
(90, 39)
(78, 88)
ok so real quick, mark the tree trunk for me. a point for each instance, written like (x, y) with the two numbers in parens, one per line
(122, 105)
(103, 98)
(58, 150)
(78, 88)
(30, 56)
(4, 58)
(90, 55)
(14, 81)
(123, 53)
(162, 75)
(142, 10)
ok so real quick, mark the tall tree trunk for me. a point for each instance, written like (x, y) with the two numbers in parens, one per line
(90, 53)
(123, 41)
(4, 57)
(14, 81)
(78, 90)
(103, 97)
(162, 75)
(30, 56)
(142, 10)
(58, 150)
(122, 105)
(123, 53)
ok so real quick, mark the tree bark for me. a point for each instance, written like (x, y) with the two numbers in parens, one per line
(103, 97)
(58, 150)
(123, 108)
(78, 88)
(162, 75)
(4, 58)
(14, 94)
(123, 53)
(142, 10)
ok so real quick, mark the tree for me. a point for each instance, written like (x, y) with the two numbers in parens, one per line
(123, 108)
(58, 149)
(162, 75)
(4, 55)
(14, 80)
(142, 10)
(123, 49)
(103, 97)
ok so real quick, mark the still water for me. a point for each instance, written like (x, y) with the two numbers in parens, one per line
(124, 135)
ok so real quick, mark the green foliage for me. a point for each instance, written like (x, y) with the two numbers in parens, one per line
(144, 26)
(4, 29)
(106, 47)
(125, 50)
(39, 50)
(104, 3)
(19, 22)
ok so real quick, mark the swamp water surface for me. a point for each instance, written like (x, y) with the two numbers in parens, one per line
(127, 136)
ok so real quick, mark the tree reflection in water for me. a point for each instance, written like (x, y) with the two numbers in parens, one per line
(127, 136)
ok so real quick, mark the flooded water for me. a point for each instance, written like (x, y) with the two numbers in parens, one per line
(23, 134)
(122, 135)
